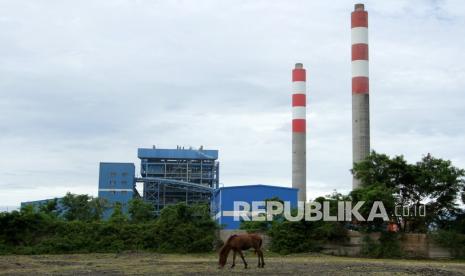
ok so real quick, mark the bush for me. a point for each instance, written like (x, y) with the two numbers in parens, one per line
(452, 240)
(388, 246)
(304, 236)
(179, 228)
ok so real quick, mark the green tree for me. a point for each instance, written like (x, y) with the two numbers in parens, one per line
(261, 226)
(82, 207)
(442, 184)
(50, 208)
(182, 228)
(118, 215)
(141, 211)
(432, 181)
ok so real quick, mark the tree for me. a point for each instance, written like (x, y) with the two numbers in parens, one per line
(82, 207)
(141, 211)
(50, 208)
(442, 184)
(118, 216)
(183, 228)
(432, 181)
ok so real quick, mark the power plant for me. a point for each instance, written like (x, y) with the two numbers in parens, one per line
(299, 127)
(360, 88)
(171, 176)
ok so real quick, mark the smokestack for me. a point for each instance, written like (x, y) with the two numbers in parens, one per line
(360, 88)
(299, 146)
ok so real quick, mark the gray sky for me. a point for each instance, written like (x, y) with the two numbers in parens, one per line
(89, 81)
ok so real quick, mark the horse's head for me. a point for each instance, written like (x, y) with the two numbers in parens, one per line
(223, 256)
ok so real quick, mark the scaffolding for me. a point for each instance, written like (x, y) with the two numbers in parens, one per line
(174, 176)
(163, 192)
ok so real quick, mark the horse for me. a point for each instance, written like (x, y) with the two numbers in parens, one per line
(240, 242)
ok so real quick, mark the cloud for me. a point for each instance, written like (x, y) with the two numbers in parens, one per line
(90, 81)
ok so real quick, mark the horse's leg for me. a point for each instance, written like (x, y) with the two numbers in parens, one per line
(257, 251)
(242, 256)
(261, 255)
(234, 259)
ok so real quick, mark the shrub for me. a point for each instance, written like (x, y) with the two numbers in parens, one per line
(452, 240)
(388, 246)
(180, 228)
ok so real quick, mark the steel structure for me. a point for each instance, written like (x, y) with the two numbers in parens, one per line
(162, 192)
(177, 175)
(299, 125)
(360, 87)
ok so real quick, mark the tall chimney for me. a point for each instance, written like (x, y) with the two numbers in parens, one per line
(360, 88)
(299, 147)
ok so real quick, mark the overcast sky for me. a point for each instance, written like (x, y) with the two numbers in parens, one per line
(88, 81)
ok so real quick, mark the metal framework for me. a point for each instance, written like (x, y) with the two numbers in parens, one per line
(170, 176)
(204, 172)
(162, 192)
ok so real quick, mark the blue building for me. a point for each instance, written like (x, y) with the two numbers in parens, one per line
(36, 204)
(117, 184)
(222, 203)
(168, 176)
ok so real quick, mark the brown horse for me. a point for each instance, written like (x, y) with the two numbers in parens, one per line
(237, 243)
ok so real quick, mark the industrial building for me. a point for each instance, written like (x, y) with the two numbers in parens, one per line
(177, 175)
(222, 203)
(39, 203)
(116, 184)
(168, 176)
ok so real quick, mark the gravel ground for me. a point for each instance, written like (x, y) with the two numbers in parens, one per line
(168, 264)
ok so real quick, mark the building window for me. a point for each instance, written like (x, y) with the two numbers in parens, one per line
(125, 174)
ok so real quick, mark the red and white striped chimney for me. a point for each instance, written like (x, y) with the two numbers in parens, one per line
(299, 125)
(360, 87)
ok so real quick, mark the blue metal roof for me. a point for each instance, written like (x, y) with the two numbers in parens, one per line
(177, 154)
(255, 185)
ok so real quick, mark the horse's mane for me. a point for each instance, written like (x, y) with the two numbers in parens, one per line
(230, 238)
(226, 245)
(225, 249)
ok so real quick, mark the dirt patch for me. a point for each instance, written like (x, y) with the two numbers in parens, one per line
(150, 264)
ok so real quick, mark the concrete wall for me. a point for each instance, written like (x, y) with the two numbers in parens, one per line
(413, 245)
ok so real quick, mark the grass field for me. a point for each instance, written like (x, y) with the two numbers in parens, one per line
(206, 264)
